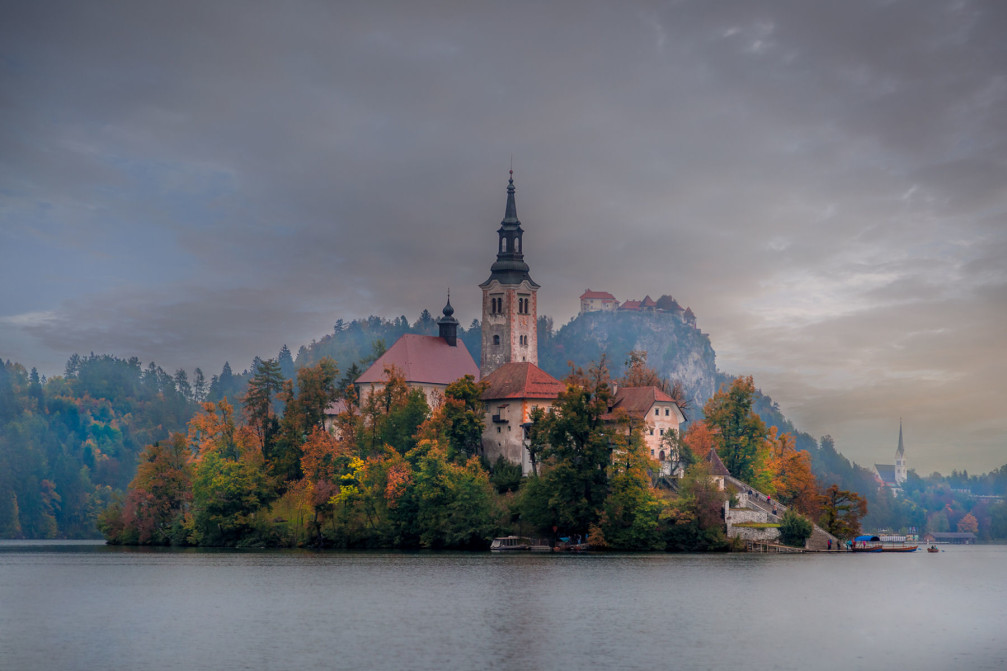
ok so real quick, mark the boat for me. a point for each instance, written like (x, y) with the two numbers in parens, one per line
(510, 544)
(899, 548)
(519, 544)
(865, 544)
(933, 548)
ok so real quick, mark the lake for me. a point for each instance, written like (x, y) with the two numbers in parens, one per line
(88, 606)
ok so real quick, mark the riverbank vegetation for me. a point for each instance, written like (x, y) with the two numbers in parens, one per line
(389, 472)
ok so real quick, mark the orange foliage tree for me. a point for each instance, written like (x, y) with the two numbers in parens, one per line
(790, 471)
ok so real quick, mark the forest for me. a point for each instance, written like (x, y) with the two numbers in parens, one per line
(71, 445)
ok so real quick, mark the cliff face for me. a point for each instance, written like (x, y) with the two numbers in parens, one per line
(675, 349)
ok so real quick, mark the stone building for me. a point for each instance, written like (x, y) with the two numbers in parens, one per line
(660, 416)
(516, 384)
(597, 301)
(513, 391)
(510, 302)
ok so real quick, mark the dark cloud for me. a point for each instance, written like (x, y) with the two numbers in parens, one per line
(822, 184)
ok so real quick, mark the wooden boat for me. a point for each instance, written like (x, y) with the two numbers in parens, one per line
(865, 544)
(933, 548)
(899, 548)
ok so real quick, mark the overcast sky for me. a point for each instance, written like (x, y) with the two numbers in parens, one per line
(825, 184)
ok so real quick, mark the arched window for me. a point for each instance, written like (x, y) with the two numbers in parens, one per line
(661, 457)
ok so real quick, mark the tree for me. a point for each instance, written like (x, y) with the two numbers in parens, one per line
(740, 433)
(638, 374)
(792, 480)
(579, 451)
(629, 519)
(968, 523)
(842, 511)
(459, 419)
(226, 495)
(795, 529)
(286, 361)
(267, 380)
(693, 522)
(199, 388)
(158, 499)
(304, 411)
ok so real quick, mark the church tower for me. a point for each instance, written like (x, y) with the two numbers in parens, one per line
(900, 460)
(510, 307)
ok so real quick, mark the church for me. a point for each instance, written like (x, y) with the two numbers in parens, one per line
(515, 385)
(893, 475)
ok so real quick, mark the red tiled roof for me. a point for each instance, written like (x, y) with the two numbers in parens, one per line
(423, 359)
(630, 305)
(520, 380)
(648, 302)
(639, 400)
(597, 294)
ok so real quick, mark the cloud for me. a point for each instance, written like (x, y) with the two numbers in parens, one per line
(823, 185)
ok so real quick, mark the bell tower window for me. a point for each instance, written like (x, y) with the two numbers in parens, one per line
(496, 340)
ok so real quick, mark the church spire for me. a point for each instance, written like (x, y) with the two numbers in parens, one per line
(902, 450)
(510, 267)
(510, 215)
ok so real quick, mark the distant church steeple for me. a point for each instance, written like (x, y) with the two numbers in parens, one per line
(510, 322)
(900, 459)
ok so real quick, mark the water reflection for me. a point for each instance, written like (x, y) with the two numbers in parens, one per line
(74, 606)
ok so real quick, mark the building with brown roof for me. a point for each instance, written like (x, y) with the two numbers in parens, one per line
(429, 363)
(513, 390)
(597, 301)
(660, 415)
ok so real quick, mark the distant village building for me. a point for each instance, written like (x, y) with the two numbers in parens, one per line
(429, 363)
(597, 301)
(660, 416)
(893, 475)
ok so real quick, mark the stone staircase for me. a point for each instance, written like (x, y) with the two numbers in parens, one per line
(819, 540)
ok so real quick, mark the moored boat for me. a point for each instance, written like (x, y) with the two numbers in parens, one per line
(898, 548)
(933, 548)
(510, 544)
(865, 544)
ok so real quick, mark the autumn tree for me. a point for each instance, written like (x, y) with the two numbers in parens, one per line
(968, 523)
(740, 434)
(458, 421)
(842, 511)
(303, 412)
(638, 374)
(158, 498)
(793, 483)
(700, 439)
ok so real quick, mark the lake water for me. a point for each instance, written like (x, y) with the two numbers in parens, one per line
(87, 606)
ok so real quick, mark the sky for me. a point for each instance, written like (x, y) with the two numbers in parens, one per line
(823, 183)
